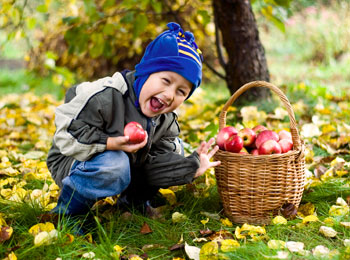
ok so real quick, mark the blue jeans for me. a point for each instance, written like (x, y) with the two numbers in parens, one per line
(106, 174)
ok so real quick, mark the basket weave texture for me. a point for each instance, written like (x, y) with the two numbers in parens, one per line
(253, 188)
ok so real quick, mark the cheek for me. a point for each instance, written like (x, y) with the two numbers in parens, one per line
(178, 102)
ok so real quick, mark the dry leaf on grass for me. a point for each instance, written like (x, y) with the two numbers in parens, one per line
(328, 231)
(192, 252)
(5, 233)
(145, 229)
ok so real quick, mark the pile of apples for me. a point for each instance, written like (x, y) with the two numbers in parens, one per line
(256, 141)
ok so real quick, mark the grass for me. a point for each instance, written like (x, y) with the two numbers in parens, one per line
(308, 76)
(11, 50)
(309, 52)
(21, 81)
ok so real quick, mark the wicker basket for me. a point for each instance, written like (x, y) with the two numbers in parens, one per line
(253, 188)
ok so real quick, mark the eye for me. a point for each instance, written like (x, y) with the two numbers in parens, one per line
(183, 92)
(166, 81)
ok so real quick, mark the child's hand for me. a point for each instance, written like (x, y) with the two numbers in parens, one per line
(122, 143)
(205, 156)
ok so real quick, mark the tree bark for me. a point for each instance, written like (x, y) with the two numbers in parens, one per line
(245, 54)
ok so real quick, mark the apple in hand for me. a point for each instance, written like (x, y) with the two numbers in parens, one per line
(135, 132)
(234, 144)
(248, 136)
(270, 147)
(259, 128)
(265, 135)
(224, 134)
(284, 134)
(286, 145)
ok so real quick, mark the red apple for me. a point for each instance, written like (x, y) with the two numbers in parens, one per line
(264, 136)
(284, 134)
(286, 145)
(259, 128)
(248, 135)
(254, 152)
(270, 147)
(135, 132)
(225, 134)
(234, 144)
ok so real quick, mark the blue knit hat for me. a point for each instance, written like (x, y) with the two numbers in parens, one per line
(173, 50)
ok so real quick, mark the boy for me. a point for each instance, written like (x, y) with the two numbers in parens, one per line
(90, 159)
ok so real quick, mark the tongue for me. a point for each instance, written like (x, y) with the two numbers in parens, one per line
(155, 103)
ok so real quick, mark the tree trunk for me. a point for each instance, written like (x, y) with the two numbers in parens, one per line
(246, 55)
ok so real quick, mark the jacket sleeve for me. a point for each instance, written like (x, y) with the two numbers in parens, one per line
(80, 122)
(166, 166)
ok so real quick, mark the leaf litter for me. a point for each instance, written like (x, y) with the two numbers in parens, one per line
(26, 124)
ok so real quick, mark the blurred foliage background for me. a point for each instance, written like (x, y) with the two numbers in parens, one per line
(66, 41)
(62, 42)
(75, 40)
(78, 40)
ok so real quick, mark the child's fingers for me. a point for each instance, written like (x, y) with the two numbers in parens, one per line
(211, 141)
(213, 151)
(204, 146)
(201, 147)
(216, 163)
(133, 148)
(208, 145)
(124, 139)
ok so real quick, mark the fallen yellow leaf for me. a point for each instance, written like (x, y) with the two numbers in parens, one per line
(2, 220)
(209, 250)
(327, 231)
(169, 195)
(279, 220)
(178, 217)
(276, 244)
(345, 224)
(226, 222)
(295, 247)
(310, 218)
(89, 255)
(11, 256)
(118, 249)
(306, 209)
(45, 237)
(336, 210)
(205, 221)
(5, 233)
(329, 221)
(36, 229)
(321, 251)
(229, 245)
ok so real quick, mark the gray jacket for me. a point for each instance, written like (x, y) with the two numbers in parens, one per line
(93, 111)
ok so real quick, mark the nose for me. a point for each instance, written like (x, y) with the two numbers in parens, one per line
(169, 94)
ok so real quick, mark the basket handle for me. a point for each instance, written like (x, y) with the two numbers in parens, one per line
(281, 95)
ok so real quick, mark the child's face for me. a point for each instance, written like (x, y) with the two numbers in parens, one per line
(163, 92)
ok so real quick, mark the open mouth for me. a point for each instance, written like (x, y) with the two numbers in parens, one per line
(157, 104)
